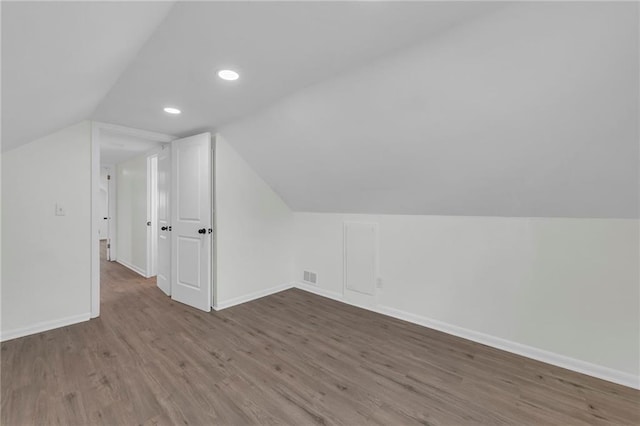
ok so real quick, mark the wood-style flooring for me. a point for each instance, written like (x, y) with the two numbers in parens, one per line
(290, 358)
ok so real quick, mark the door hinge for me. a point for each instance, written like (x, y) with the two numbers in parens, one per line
(108, 177)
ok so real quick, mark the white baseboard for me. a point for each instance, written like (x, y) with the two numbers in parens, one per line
(252, 296)
(133, 268)
(320, 291)
(579, 366)
(542, 355)
(43, 326)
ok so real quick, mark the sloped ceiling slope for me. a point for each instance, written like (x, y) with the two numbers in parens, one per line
(277, 47)
(59, 60)
(528, 111)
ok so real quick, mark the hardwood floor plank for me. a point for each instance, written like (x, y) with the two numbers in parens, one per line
(290, 358)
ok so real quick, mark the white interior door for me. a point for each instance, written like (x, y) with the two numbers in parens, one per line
(111, 221)
(104, 214)
(164, 220)
(152, 215)
(191, 219)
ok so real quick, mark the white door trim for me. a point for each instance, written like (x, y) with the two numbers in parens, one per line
(96, 130)
(95, 224)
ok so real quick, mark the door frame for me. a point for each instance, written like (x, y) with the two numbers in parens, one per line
(97, 128)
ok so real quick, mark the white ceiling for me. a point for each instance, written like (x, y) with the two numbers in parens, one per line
(469, 108)
(59, 60)
(528, 111)
(116, 147)
(277, 47)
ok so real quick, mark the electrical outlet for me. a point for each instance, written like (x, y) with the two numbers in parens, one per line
(379, 282)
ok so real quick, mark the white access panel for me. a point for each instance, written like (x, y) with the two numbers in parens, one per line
(360, 257)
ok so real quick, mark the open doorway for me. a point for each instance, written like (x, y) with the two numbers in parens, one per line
(124, 202)
(160, 210)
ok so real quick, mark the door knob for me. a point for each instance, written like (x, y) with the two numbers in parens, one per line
(202, 231)
(164, 228)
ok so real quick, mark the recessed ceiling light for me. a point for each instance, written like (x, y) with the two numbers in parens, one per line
(171, 110)
(228, 75)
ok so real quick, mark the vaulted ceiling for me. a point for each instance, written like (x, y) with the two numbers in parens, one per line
(471, 108)
(121, 62)
(60, 59)
(277, 47)
(531, 110)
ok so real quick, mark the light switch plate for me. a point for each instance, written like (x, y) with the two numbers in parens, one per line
(60, 211)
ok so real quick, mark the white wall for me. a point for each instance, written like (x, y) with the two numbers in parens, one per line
(531, 111)
(46, 269)
(131, 214)
(566, 286)
(253, 228)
